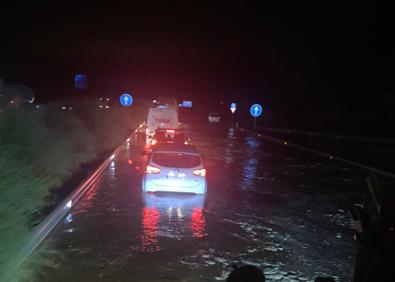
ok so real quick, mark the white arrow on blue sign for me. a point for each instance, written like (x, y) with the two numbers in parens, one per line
(256, 110)
(126, 100)
(233, 107)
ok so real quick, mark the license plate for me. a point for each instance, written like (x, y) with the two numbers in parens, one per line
(176, 175)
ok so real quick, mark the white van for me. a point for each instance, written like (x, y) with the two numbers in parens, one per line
(162, 117)
(214, 117)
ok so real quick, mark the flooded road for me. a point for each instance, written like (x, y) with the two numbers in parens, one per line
(279, 209)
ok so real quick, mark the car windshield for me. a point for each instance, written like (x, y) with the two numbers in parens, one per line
(170, 136)
(176, 160)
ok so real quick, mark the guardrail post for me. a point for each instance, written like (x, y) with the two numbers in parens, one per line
(373, 151)
(310, 135)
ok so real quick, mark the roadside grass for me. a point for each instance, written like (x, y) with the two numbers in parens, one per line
(40, 150)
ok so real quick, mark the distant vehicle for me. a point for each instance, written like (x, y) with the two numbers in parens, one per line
(166, 117)
(175, 168)
(162, 106)
(169, 136)
(214, 117)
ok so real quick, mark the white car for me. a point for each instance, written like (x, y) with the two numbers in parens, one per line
(175, 168)
(214, 117)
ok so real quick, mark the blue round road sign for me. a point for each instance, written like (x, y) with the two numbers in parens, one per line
(233, 107)
(126, 100)
(256, 110)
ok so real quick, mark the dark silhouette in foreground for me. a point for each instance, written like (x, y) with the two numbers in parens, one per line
(374, 222)
(246, 273)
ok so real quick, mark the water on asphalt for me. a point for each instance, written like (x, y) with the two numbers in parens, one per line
(273, 207)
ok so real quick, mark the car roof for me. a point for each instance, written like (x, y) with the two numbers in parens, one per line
(175, 148)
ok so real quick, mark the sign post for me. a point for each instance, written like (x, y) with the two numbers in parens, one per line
(233, 110)
(255, 111)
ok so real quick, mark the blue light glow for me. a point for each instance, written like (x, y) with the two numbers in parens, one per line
(187, 104)
(126, 100)
(80, 81)
(256, 110)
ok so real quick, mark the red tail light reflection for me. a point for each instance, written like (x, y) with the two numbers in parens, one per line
(149, 240)
(198, 224)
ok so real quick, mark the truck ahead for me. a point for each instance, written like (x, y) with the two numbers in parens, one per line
(162, 117)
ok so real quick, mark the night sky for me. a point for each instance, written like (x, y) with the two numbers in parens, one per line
(310, 55)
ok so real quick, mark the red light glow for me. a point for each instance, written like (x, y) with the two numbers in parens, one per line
(149, 237)
(198, 225)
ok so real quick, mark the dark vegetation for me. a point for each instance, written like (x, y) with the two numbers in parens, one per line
(41, 149)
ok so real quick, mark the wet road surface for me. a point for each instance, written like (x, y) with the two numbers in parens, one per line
(279, 209)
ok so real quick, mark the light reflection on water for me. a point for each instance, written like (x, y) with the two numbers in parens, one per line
(251, 163)
(172, 216)
(149, 236)
(87, 201)
(285, 240)
(112, 170)
(198, 225)
(228, 152)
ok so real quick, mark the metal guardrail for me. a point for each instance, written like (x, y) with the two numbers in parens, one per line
(322, 154)
(334, 136)
(44, 228)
